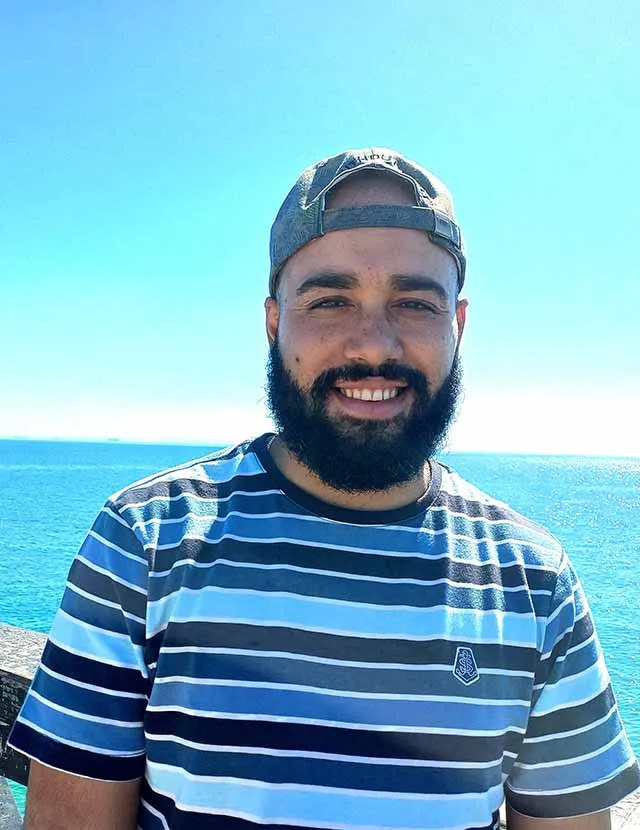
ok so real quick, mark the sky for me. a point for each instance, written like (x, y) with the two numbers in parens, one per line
(145, 149)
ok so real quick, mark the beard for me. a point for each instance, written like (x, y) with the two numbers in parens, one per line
(361, 455)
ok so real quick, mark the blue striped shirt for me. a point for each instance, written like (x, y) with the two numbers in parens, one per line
(267, 660)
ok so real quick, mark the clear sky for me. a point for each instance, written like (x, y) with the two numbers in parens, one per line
(145, 149)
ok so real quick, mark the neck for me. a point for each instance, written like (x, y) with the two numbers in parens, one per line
(389, 499)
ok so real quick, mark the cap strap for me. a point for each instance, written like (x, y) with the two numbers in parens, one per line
(391, 216)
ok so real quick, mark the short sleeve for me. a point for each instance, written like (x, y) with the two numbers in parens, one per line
(84, 711)
(575, 756)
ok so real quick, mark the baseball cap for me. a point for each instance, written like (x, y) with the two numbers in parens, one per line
(303, 216)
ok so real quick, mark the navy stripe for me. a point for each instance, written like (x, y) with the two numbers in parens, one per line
(335, 646)
(327, 773)
(74, 760)
(572, 746)
(89, 671)
(582, 630)
(351, 590)
(90, 702)
(104, 616)
(100, 585)
(572, 717)
(378, 680)
(407, 745)
(576, 803)
(415, 565)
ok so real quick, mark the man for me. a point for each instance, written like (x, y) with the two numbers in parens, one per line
(325, 627)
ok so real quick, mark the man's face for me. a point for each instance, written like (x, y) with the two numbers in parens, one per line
(363, 373)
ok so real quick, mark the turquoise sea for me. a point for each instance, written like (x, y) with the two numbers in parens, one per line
(51, 491)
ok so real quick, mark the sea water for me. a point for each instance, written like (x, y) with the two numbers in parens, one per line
(50, 493)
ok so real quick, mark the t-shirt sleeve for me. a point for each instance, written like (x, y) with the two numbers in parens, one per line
(575, 756)
(84, 711)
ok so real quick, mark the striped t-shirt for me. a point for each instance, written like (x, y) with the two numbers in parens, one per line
(266, 660)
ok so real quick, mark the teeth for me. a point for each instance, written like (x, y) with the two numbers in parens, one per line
(370, 394)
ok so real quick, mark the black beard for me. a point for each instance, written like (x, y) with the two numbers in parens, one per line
(357, 455)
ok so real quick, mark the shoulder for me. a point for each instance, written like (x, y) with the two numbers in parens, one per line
(208, 477)
(484, 517)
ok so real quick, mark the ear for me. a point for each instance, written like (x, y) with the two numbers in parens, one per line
(461, 316)
(272, 316)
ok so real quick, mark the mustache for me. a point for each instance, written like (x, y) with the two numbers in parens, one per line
(355, 372)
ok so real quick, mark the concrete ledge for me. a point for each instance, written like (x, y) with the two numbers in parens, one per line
(9, 815)
(20, 652)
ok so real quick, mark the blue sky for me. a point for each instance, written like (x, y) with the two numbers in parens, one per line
(147, 147)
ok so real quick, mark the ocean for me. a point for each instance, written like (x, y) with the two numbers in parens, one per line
(50, 492)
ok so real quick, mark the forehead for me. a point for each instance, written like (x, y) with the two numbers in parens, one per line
(374, 257)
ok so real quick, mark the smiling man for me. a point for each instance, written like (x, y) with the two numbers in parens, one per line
(325, 627)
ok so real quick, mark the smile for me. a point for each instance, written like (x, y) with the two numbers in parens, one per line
(370, 394)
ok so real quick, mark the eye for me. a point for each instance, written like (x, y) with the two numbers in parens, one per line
(330, 303)
(418, 305)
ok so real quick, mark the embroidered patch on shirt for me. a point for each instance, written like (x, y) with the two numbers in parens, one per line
(465, 668)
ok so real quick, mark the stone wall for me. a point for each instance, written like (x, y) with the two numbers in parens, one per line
(20, 652)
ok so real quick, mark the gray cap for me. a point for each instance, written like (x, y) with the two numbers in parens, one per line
(303, 216)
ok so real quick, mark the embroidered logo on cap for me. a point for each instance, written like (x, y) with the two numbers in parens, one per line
(465, 668)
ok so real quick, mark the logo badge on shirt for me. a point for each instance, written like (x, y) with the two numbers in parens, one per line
(465, 668)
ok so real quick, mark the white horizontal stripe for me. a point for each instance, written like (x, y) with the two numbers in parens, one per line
(471, 540)
(572, 678)
(562, 634)
(324, 661)
(213, 590)
(79, 683)
(234, 458)
(342, 574)
(453, 638)
(109, 544)
(347, 694)
(82, 716)
(579, 787)
(309, 788)
(409, 730)
(562, 657)
(563, 705)
(326, 756)
(116, 517)
(101, 601)
(89, 655)
(570, 600)
(60, 769)
(90, 627)
(570, 732)
(113, 577)
(155, 813)
(565, 762)
(384, 580)
(67, 742)
(187, 496)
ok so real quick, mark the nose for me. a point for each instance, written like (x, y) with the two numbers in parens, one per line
(373, 340)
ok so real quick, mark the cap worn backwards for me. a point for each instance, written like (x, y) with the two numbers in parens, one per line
(303, 216)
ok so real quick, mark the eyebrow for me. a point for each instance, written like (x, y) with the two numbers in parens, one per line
(345, 281)
(418, 282)
(327, 279)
